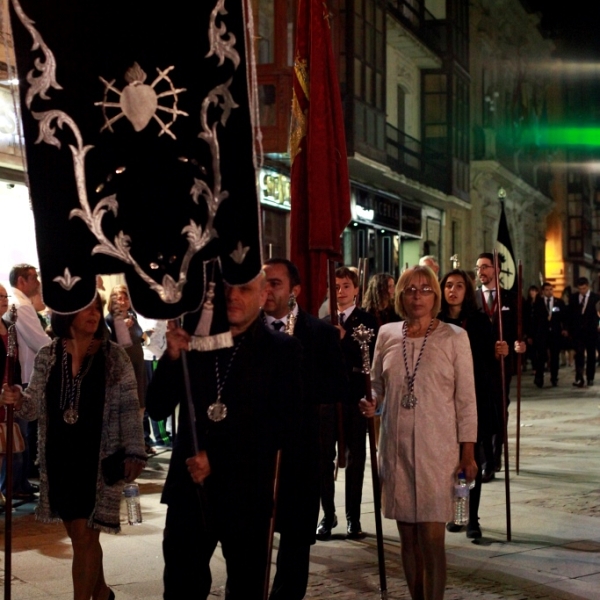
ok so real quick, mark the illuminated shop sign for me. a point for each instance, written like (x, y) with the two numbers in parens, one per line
(364, 214)
(372, 208)
(274, 189)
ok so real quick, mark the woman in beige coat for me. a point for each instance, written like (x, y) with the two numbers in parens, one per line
(423, 375)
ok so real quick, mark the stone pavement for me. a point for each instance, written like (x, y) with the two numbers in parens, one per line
(555, 509)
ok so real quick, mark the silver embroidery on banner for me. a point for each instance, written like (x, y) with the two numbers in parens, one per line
(239, 254)
(39, 84)
(67, 281)
(139, 102)
(139, 107)
(222, 43)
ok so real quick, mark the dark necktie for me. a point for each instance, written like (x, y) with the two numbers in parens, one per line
(341, 318)
(278, 325)
(490, 300)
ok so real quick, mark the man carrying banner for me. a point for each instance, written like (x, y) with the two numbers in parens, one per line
(224, 493)
(487, 302)
(324, 384)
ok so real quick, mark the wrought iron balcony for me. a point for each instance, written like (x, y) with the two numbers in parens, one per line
(408, 156)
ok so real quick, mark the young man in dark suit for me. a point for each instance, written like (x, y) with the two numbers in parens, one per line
(548, 328)
(355, 424)
(583, 327)
(324, 383)
(224, 492)
(487, 301)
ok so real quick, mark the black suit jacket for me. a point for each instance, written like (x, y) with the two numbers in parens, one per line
(509, 315)
(324, 382)
(548, 331)
(352, 353)
(263, 394)
(583, 326)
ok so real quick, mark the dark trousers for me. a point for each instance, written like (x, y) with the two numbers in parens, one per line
(585, 354)
(475, 494)
(327, 441)
(293, 561)
(545, 349)
(355, 434)
(188, 546)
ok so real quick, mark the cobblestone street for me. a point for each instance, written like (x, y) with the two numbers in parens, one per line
(554, 553)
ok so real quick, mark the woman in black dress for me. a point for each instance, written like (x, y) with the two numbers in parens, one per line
(459, 308)
(83, 392)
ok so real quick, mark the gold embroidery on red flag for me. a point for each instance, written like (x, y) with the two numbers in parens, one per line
(298, 122)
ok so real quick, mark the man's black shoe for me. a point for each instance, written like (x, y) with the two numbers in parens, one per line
(325, 527)
(590, 382)
(579, 383)
(354, 531)
(474, 531)
(487, 476)
(539, 383)
(453, 527)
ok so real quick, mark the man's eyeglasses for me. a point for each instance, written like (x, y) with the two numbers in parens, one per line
(426, 290)
(483, 267)
(4, 297)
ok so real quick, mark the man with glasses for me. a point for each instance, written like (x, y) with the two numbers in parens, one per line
(30, 338)
(487, 302)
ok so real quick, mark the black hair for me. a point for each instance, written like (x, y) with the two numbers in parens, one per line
(469, 304)
(61, 324)
(292, 269)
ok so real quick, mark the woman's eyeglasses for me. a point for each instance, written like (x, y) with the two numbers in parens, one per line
(426, 290)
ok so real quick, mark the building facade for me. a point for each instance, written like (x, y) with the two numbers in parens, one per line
(443, 105)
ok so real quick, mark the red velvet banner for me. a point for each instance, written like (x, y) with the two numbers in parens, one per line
(320, 186)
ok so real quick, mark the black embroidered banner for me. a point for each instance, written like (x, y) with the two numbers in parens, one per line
(140, 147)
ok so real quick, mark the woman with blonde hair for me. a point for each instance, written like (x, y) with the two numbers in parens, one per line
(423, 375)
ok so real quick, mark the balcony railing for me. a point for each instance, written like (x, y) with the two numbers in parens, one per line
(414, 15)
(408, 156)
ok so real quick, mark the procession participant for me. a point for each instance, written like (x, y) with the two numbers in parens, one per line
(583, 327)
(423, 375)
(459, 308)
(379, 299)
(430, 261)
(30, 339)
(224, 492)
(83, 392)
(355, 426)
(324, 383)
(487, 302)
(548, 328)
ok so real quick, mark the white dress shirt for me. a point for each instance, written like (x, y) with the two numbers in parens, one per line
(30, 334)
